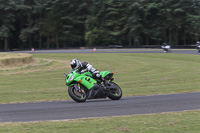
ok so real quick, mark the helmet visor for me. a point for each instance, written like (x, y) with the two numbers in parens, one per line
(73, 66)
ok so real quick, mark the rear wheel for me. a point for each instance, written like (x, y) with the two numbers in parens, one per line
(115, 93)
(77, 96)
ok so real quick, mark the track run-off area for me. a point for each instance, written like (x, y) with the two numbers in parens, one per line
(69, 109)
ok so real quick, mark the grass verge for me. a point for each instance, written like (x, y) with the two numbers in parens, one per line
(178, 122)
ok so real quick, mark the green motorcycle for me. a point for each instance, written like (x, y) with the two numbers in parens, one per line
(81, 86)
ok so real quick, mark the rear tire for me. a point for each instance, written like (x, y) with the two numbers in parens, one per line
(115, 93)
(77, 96)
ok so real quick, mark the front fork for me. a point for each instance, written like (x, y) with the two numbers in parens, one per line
(77, 87)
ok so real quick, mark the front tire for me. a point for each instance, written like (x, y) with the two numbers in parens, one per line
(77, 96)
(115, 93)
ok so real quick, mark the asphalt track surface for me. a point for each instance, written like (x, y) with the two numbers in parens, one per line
(62, 110)
(179, 51)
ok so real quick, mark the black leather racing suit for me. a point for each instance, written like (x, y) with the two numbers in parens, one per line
(85, 66)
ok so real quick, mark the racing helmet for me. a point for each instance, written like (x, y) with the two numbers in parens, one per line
(164, 44)
(75, 63)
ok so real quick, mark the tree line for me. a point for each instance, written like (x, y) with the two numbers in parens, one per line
(80, 23)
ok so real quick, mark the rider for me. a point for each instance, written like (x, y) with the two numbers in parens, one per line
(164, 44)
(85, 67)
(198, 46)
(165, 47)
(198, 43)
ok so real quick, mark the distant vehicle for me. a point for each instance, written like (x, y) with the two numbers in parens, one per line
(198, 46)
(166, 48)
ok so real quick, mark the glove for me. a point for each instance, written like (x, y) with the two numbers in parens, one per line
(98, 75)
(85, 70)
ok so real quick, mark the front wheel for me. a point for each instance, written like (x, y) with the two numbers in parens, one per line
(115, 93)
(77, 96)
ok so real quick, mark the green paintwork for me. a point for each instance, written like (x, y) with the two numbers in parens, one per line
(86, 81)
(104, 73)
(84, 78)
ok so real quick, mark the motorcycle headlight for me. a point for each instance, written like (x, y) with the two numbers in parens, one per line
(71, 78)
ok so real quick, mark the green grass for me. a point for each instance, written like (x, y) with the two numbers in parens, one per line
(137, 74)
(178, 122)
